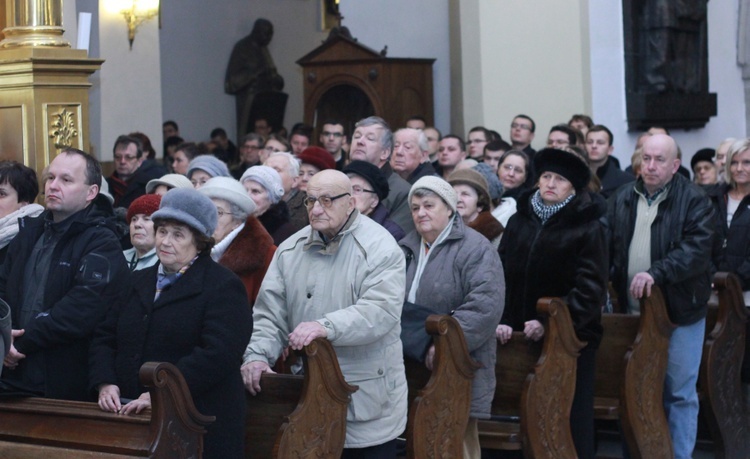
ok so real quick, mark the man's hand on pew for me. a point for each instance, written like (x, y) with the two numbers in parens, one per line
(109, 398)
(503, 333)
(138, 405)
(251, 372)
(11, 360)
(534, 330)
(642, 282)
(305, 333)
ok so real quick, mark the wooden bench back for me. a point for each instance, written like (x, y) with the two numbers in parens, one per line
(536, 385)
(719, 379)
(300, 416)
(40, 428)
(440, 400)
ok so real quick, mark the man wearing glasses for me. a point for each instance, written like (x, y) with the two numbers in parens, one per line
(332, 138)
(522, 133)
(342, 279)
(132, 171)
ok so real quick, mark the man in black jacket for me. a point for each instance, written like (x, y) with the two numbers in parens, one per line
(133, 170)
(62, 272)
(662, 233)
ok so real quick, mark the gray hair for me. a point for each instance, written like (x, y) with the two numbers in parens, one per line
(293, 162)
(386, 140)
(251, 136)
(421, 137)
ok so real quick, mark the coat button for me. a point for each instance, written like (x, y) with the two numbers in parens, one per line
(145, 317)
(380, 371)
(309, 295)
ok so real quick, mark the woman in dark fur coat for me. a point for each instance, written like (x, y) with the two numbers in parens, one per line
(242, 243)
(554, 246)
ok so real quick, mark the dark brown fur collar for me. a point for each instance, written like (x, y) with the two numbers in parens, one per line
(249, 249)
(487, 225)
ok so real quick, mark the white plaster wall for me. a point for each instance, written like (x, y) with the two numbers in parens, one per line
(129, 81)
(534, 60)
(608, 79)
(197, 37)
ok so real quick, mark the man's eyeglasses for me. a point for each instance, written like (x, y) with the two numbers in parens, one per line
(335, 135)
(356, 189)
(324, 201)
(126, 158)
(520, 126)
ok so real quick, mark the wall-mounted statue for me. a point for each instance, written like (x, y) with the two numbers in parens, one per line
(253, 79)
(672, 34)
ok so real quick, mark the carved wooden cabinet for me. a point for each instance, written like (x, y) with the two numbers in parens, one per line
(347, 81)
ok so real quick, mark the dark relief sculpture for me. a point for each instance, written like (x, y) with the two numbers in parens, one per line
(666, 62)
(253, 79)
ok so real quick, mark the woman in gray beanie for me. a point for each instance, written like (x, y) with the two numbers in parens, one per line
(187, 310)
(452, 269)
(242, 243)
(204, 167)
(264, 186)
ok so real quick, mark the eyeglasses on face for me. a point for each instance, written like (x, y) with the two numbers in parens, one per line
(356, 189)
(325, 201)
(126, 158)
(512, 168)
(520, 126)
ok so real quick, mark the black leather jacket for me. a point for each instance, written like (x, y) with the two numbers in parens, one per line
(682, 238)
(734, 240)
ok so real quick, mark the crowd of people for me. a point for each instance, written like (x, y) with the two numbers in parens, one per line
(356, 240)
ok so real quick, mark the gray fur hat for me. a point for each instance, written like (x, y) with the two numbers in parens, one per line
(190, 207)
(211, 165)
(268, 179)
(438, 186)
(231, 191)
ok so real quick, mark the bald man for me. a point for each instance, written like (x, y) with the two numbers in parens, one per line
(340, 278)
(662, 234)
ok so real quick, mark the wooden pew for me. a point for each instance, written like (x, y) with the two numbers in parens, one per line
(440, 400)
(535, 388)
(40, 428)
(631, 365)
(300, 416)
(719, 378)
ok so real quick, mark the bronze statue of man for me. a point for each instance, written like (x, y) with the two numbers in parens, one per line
(251, 71)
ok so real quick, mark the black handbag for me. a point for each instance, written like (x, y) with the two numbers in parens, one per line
(414, 337)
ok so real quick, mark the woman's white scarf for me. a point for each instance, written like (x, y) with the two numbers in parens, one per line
(222, 245)
(9, 223)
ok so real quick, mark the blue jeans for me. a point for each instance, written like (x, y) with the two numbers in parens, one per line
(680, 394)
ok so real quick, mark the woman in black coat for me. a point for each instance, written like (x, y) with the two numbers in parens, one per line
(187, 310)
(555, 246)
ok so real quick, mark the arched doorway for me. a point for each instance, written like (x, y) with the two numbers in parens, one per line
(345, 103)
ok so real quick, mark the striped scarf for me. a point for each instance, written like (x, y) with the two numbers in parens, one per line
(164, 280)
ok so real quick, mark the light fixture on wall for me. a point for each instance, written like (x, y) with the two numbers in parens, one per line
(135, 13)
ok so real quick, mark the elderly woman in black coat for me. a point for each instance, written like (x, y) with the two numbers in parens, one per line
(186, 310)
(554, 246)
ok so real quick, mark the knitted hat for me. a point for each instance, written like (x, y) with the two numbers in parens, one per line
(372, 174)
(495, 187)
(146, 204)
(190, 207)
(231, 191)
(318, 157)
(211, 165)
(437, 186)
(170, 181)
(564, 163)
(704, 154)
(472, 178)
(268, 179)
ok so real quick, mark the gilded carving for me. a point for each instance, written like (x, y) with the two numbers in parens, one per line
(63, 129)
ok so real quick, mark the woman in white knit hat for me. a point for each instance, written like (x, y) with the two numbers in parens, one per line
(452, 269)
(264, 186)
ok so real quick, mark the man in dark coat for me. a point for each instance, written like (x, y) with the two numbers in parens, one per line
(599, 148)
(662, 233)
(132, 171)
(63, 271)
